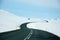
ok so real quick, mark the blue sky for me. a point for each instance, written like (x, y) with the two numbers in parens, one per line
(33, 8)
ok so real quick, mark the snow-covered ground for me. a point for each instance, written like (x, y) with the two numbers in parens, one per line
(51, 26)
(9, 22)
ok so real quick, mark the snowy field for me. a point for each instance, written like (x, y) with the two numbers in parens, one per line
(9, 22)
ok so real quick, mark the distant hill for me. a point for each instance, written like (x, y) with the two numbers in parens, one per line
(9, 22)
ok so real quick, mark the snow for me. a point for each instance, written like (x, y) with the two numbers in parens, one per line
(9, 22)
